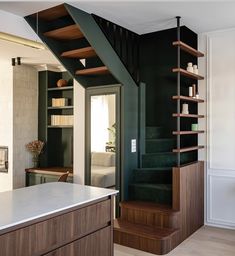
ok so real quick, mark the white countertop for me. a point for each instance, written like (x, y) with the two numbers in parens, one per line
(26, 204)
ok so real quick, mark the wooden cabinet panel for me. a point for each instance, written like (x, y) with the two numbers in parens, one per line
(39, 178)
(53, 233)
(96, 244)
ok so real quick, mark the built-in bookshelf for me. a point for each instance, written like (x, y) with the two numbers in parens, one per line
(55, 115)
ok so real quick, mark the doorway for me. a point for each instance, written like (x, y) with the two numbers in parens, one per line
(102, 164)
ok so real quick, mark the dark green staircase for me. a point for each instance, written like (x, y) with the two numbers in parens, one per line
(153, 181)
(72, 34)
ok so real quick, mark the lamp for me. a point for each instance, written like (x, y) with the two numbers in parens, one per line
(22, 41)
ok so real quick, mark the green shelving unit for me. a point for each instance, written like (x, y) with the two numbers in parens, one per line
(58, 138)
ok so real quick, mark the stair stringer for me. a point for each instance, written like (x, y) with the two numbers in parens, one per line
(101, 45)
(69, 64)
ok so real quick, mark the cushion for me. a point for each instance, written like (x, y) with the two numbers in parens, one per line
(103, 158)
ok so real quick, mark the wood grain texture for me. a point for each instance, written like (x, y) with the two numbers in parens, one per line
(92, 71)
(185, 47)
(207, 241)
(184, 72)
(188, 196)
(146, 238)
(52, 13)
(96, 244)
(187, 132)
(181, 150)
(82, 53)
(187, 98)
(70, 32)
(150, 214)
(50, 234)
(188, 115)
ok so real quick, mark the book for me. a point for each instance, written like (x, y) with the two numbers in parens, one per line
(59, 102)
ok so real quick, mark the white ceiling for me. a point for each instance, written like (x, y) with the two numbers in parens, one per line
(29, 56)
(146, 16)
(138, 16)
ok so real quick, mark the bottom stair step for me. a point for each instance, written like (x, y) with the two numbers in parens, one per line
(150, 239)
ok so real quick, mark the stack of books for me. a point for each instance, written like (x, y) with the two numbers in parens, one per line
(59, 102)
(61, 120)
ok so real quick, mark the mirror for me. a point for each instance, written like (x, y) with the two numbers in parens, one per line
(103, 122)
(103, 138)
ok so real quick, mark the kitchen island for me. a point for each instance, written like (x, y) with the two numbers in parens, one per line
(57, 219)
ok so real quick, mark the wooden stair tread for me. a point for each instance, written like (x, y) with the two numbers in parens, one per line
(70, 32)
(148, 206)
(143, 230)
(53, 13)
(93, 71)
(82, 53)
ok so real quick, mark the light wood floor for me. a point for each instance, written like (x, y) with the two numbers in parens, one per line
(207, 241)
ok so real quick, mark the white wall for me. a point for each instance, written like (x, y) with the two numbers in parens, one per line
(6, 120)
(219, 89)
(25, 119)
(16, 25)
(79, 134)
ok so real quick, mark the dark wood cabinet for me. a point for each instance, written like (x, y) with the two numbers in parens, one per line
(85, 230)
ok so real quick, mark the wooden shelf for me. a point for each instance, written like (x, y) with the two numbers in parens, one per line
(188, 115)
(60, 88)
(184, 72)
(188, 49)
(82, 53)
(64, 107)
(93, 71)
(66, 33)
(186, 98)
(181, 150)
(60, 126)
(186, 132)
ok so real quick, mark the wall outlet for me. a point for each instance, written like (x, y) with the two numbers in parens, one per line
(133, 146)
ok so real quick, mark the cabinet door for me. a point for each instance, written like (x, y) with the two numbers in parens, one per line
(96, 244)
(49, 178)
(33, 179)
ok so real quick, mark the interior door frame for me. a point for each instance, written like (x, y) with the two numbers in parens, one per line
(104, 90)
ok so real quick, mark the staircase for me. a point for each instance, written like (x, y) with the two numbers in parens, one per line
(72, 35)
(148, 221)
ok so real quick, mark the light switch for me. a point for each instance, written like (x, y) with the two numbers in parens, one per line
(133, 146)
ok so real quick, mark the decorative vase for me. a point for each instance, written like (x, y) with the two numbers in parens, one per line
(185, 109)
(35, 161)
(62, 83)
(190, 67)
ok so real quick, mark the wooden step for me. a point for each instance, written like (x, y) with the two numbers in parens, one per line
(150, 239)
(82, 53)
(53, 13)
(150, 214)
(93, 71)
(66, 33)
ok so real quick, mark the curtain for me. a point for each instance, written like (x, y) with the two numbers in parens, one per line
(99, 123)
